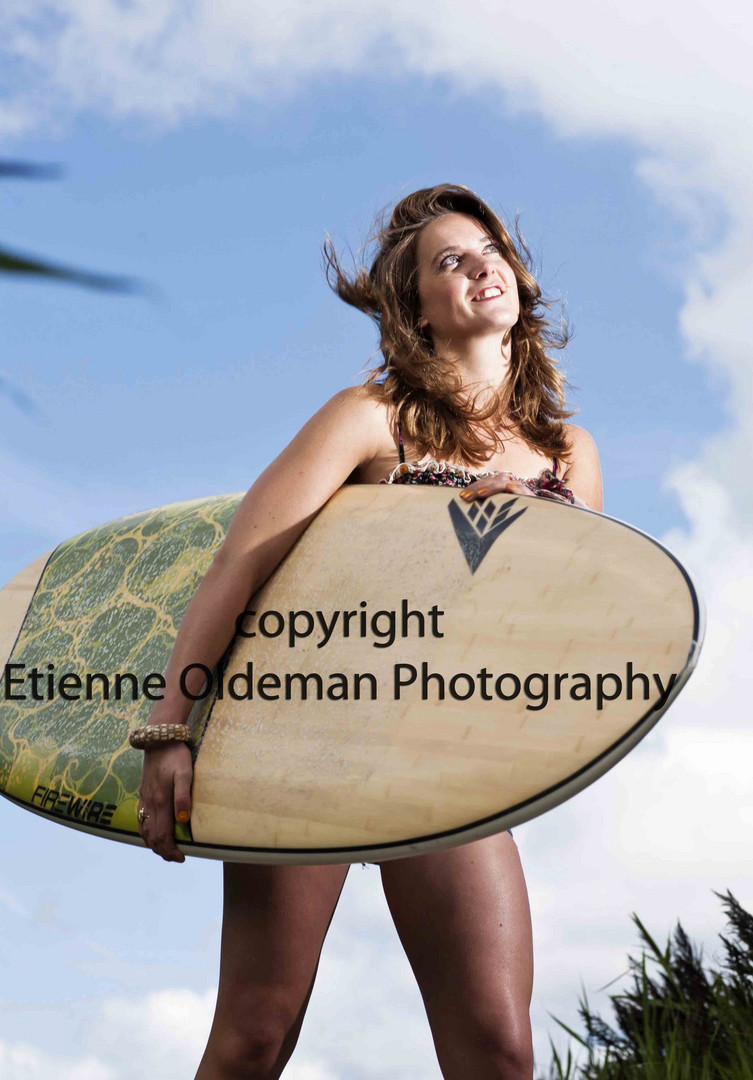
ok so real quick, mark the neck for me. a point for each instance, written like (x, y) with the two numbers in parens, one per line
(482, 362)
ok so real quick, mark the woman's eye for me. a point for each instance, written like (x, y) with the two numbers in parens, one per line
(489, 247)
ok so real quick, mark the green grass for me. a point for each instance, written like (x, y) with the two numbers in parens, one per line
(677, 1019)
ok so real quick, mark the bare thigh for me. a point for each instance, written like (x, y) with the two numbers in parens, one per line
(464, 921)
(275, 919)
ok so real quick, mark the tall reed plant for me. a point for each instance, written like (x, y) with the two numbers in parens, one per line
(678, 1019)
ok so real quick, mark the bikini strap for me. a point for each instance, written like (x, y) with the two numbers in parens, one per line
(554, 470)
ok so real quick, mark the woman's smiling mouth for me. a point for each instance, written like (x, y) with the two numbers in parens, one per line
(489, 293)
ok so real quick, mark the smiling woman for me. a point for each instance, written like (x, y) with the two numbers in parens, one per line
(465, 376)
(459, 305)
(441, 335)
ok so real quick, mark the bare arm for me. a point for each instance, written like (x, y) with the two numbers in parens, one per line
(271, 517)
(273, 514)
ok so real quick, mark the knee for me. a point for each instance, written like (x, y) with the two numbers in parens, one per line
(251, 1036)
(505, 1047)
(248, 1055)
(515, 1061)
(509, 1054)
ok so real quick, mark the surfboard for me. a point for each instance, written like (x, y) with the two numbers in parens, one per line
(417, 673)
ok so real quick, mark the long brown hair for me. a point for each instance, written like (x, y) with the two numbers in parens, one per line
(423, 390)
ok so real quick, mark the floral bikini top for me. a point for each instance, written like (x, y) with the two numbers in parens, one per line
(445, 474)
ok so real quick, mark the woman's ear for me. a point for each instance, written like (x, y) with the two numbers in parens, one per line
(423, 323)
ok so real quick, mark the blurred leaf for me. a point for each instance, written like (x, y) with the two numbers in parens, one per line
(18, 263)
(28, 170)
(19, 398)
(12, 263)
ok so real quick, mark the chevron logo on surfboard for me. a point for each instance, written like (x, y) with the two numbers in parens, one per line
(479, 525)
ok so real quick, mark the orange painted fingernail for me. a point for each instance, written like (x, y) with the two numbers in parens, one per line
(183, 816)
(466, 494)
(482, 491)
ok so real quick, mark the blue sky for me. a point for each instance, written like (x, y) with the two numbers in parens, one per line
(632, 207)
(226, 220)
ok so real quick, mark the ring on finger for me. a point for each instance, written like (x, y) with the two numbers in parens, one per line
(142, 815)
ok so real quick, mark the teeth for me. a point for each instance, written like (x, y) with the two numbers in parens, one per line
(491, 291)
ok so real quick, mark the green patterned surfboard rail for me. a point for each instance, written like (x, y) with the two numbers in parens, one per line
(109, 601)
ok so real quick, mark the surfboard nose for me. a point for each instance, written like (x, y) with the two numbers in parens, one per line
(15, 598)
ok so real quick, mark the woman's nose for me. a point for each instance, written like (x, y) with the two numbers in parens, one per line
(480, 266)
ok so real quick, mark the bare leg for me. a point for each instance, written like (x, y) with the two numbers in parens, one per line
(464, 921)
(274, 923)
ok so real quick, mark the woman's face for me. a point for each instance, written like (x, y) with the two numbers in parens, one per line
(466, 288)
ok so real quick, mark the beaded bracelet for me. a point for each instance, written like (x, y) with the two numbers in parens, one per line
(142, 737)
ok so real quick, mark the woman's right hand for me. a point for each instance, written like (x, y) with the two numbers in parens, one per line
(165, 796)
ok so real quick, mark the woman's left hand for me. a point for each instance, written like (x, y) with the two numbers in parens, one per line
(502, 482)
(505, 482)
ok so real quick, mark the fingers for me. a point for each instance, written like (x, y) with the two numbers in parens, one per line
(164, 841)
(182, 795)
(516, 488)
(504, 482)
(493, 485)
(157, 830)
(165, 798)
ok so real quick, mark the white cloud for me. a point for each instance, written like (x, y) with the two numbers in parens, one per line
(158, 1034)
(307, 1070)
(365, 1019)
(161, 1034)
(677, 70)
(18, 1061)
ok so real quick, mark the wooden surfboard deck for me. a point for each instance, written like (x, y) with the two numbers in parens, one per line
(498, 657)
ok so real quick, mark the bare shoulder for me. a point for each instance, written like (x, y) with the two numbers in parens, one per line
(371, 423)
(351, 424)
(344, 433)
(341, 435)
(358, 404)
(583, 473)
(580, 441)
